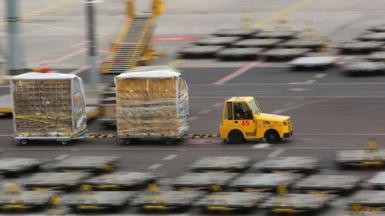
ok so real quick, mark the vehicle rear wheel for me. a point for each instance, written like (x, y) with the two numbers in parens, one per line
(235, 137)
(272, 137)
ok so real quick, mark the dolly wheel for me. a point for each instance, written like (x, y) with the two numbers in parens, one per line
(235, 137)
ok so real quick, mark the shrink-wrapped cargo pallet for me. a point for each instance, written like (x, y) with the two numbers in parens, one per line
(48, 106)
(151, 102)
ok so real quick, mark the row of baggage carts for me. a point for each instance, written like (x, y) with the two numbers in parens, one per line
(363, 56)
(292, 184)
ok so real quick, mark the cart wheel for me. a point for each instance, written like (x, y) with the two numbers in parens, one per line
(64, 142)
(23, 142)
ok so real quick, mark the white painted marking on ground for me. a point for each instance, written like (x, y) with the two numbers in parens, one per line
(170, 157)
(192, 118)
(279, 111)
(236, 73)
(295, 83)
(310, 81)
(61, 157)
(288, 104)
(320, 75)
(261, 145)
(205, 111)
(276, 153)
(297, 89)
(306, 139)
(155, 166)
(217, 104)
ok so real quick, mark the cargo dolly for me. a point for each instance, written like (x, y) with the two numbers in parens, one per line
(372, 156)
(363, 68)
(221, 163)
(288, 164)
(166, 200)
(283, 54)
(261, 43)
(313, 44)
(377, 181)
(373, 36)
(216, 41)
(293, 203)
(86, 163)
(376, 56)
(93, 201)
(279, 34)
(264, 182)
(231, 201)
(210, 181)
(13, 166)
(360, 47)
(199, 51)
(245, 33)
(368, 200)
(328, 184)
(51, 181)
(314, 62)
(12, 199)
(120, 181)
(236, 54)
(377, 28)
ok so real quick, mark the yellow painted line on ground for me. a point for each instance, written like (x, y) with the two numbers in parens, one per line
(43, 10)
(297, 5)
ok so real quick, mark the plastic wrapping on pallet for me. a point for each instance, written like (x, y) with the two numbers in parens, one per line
(151, 102)
(48, 105)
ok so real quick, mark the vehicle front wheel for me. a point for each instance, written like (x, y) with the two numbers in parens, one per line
(235, 137)
(272, 137)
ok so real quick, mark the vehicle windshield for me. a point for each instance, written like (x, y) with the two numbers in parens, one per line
(254, 107)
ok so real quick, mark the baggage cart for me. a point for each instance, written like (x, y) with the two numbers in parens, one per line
(209, 181)
(64, 181)
(216, 41)
(236, 54)
(293, 203)
(329, 184)
(222, 163)
(166, 200)
(288, 164)
(121, 181)
(377, 181)
(264, 182)
(86, 163)
(91, 201)
(367, 200)
(15, 166)
(24, 200)
(231, 201)
(244, 33)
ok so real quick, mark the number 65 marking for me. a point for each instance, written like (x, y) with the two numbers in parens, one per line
(245, 123)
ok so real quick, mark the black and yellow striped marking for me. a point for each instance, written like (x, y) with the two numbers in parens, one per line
(101, 136)
(204, 136)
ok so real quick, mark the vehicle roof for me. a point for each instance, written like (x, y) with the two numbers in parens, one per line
(237, 99)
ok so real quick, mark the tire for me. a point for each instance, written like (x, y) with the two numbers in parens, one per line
(272, 137)
(235, 137)
(23, 142)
